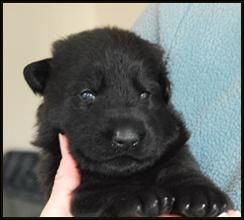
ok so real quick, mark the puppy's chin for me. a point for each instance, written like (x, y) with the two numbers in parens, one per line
(119, 166)
(125, 165)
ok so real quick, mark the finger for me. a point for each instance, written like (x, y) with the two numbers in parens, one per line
(68, 174)
(234, 213)
(64, 145)
(67, 158)
(230, 213)
(66, 181)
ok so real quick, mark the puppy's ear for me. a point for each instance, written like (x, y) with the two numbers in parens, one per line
(166, 85)
(36, 75)
(166, 90)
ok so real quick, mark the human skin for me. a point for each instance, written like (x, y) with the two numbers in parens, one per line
(68, 178)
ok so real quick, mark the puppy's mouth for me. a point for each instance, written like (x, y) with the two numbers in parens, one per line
(118, 159)
(124, 159)
(122, 164)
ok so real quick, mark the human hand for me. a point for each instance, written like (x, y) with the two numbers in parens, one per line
(66, 180)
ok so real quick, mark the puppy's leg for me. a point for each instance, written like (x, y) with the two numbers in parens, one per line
(90, 202)
(128, 200)
(145, 201)
(195, 194)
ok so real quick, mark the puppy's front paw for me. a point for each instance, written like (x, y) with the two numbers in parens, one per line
(148, 202)
(200, 201)
(156, 202)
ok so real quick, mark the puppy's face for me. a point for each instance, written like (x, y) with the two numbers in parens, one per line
(108, 91)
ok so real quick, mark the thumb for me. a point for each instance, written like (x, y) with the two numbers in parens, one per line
(66, 181)
(67, 177)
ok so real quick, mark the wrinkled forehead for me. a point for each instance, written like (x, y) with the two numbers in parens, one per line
(110, 68)
(119, 65)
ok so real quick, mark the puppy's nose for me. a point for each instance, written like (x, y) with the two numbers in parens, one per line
(125, 138)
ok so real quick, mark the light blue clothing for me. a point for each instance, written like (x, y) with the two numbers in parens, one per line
(203, 42)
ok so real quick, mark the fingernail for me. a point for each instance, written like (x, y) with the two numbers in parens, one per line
(60, 135)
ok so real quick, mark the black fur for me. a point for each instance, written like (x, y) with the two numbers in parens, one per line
(155, 175)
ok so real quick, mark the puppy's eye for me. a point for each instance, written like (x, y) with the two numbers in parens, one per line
(87, 96)
(144, 95)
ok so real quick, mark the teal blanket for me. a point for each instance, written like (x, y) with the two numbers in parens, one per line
(203, 43)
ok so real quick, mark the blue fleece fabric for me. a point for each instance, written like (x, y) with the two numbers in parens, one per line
(203, 43)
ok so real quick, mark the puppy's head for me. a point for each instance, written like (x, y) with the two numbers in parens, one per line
(108, 91)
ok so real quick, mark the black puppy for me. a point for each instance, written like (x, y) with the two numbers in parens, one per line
(107, 90)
